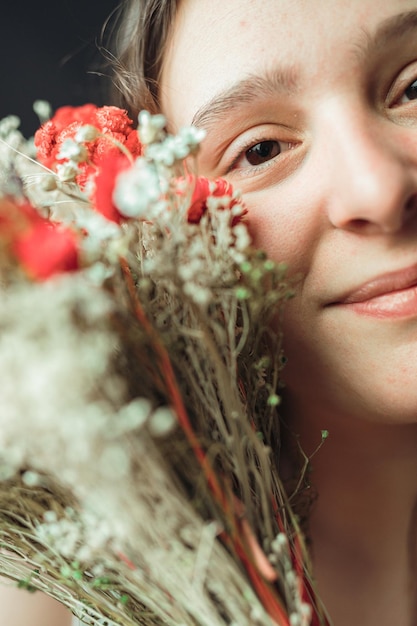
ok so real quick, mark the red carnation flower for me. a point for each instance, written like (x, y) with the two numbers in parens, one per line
(47, 249)
(42, 248)
(51, 135)
(113, 124)
(205, 188)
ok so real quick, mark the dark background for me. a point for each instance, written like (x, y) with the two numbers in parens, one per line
(49, 50)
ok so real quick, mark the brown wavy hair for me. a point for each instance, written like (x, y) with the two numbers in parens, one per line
(139, 38)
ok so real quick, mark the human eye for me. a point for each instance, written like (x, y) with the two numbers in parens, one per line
(252, 157)
(259, 154)
(401, 101)
(410, 93)
(404, 88)
(256, 154)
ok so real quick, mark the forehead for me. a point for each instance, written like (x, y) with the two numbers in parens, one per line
(216, 43)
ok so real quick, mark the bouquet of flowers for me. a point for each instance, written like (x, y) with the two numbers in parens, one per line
(139, 432)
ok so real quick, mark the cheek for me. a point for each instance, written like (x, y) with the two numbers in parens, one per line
(293, 231)
(286, 233)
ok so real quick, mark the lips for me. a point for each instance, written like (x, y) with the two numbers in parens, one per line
(390, 295)
(382, 285)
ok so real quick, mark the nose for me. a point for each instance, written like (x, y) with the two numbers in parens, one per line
(372, 165)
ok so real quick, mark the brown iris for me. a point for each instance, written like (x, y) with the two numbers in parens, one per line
(262, 152)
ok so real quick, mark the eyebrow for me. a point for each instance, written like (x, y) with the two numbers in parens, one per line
(285, 80)
(393, 27)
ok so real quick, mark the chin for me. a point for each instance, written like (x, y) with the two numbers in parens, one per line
(324, 397)
(360, 371)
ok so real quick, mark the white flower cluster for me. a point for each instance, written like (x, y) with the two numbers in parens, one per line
(87, 133)
(8, 127)
(48, 369)
(175, 147)
(76, 153)
(73, 152)
(75, 350)
(152, 133)
(199, 261)
(11, 143)
(78, 535)
(300, 612)
(138, 191)
(65, 408)
(151, 127)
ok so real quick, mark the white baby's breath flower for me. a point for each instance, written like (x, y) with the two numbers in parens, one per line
(192, 136)
(306, 613)
(188, 271)
(50, 516)
(8, 124)
(137, 189)
(280, 544)
(162, 154)
(243, 239)
(257, 615)
(12, 143)
(162, 422)
(151, 127)
(173, 148)
(98, 272)
(295, 620)
(67, 172)
(131, 417)
(114, 462)
(31, 479)
(43, 110)
(199, 294)
(73, 151)
(60, 370)
(87, 133)
(71, 359)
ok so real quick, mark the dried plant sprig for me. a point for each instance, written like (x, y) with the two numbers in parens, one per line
(140, 480)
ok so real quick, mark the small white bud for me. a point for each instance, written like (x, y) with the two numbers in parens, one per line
(43, 110)
(162, 422)
(87, 133)
(151, 127)
(31, 479)
(280, 543)
(50, 517)
(306, 612)
(8, 125)
(137, 190)
(295, 620)
(67, 172)
(73, 151)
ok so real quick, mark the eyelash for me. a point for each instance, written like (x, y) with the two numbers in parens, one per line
(413, 82)
(244, 148)
(396, 96)
(254, 141)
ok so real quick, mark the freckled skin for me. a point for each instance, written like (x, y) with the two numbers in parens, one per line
(314, 212)
(329, 83)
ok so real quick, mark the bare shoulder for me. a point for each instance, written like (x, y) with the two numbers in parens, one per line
(19, 607)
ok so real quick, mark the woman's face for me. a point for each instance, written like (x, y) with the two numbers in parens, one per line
(311, 110)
